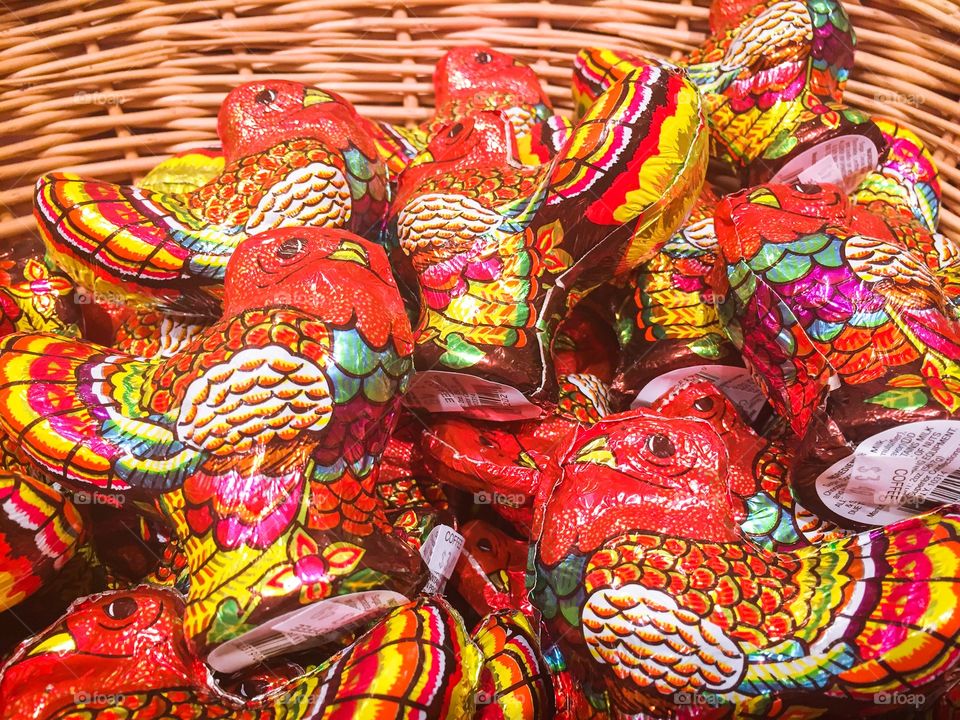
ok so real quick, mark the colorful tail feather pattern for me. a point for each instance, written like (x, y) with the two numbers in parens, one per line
(116, 240)
(908, 593)
(518, 685)
(595, 70)
(633, 174)
(417, 662)
(55, 414)
(39, 532)
(907, 177)
(171, 251)
(882, 613)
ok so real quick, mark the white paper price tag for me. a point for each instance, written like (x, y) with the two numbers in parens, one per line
(303, 627)
(450, 392)
(892, 473)
(842, 161)
(440, 552)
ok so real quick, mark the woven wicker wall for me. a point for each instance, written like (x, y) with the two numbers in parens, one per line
(107, 89)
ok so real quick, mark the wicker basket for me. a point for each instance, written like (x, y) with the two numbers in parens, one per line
(109, 88)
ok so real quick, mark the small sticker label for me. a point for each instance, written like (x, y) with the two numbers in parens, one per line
(825, 170)
(311, 625)
(842, 161)
(893, 474)
(440, 552)
(734, 382)
(450, 392)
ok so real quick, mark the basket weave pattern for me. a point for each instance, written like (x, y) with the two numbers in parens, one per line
(108, 89)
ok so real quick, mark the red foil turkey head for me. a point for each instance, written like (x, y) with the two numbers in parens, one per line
(505, 465)
(256, 116)
(491, 572)
(700, 399)
(476, 78)
(276, 415)
(639, 471)
(111, 644)
(331, 273)
(482, 140)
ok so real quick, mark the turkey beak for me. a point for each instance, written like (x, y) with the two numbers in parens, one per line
(424, 157)
(60, 643)
(314, 96)
(351, 252)
(763, 196)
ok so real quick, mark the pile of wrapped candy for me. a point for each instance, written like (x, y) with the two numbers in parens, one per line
(505, 415)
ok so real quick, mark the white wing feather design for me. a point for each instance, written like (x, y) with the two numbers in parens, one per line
(254, 397)
(316, 195)
(645, 636)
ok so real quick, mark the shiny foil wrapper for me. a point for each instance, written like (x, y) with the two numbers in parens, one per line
(670, 320)
(504, 467)
(128, 650)
(845, 326)
(653, 359)
(773, 89)
(258, 443)
(494, 284)
(850, 418)
(644, 575)
(772, 78)
(33, 296)
(40, 531)
(491, 573)
(288, 151)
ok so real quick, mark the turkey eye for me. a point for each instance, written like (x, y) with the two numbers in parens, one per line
(486, 442)
(121, 608)
(290, 248)
(807, 189)
(660, 446)
(265, 97)
(455, 130)
(484, 545)
(704, 404)
(483, 57)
